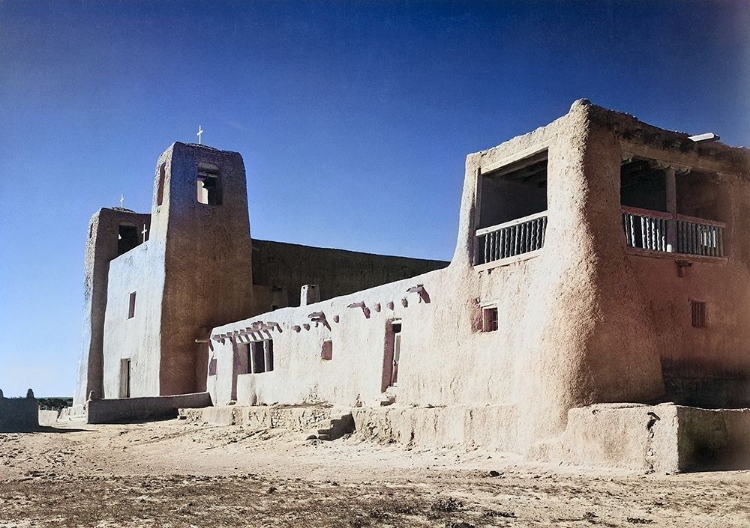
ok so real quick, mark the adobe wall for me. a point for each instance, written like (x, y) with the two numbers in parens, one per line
(565, 316)
(18, 414)
(665, 438)
(287, 267)
(702, 366)
(101, 247)
(137, 338)
(142, 409)
(572, 308)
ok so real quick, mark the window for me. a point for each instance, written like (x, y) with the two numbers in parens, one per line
(260, 356)
(212, 367)
(511, 209)
(326, 351)
(208, 184)
(131, 306)
(698, 313)
(489, 319)
(671, 209)
(127, 238)
(513, 191)
(160, 185)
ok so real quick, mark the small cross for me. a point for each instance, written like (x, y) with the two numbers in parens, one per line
(144, 232)
(200, 133)
(122, 201)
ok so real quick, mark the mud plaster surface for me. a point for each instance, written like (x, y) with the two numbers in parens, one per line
(183, 474)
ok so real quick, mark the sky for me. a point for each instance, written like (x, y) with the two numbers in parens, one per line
(353, 118)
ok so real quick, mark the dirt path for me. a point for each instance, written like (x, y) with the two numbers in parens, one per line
(180, 474)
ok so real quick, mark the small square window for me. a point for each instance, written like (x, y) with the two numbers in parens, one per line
(131, 306)
(698, 313)
(489, 319)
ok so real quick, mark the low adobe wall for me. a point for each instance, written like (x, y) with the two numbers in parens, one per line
(143, 409)
(666, 438)
(492, 427)
(291, 418)
(18, 415)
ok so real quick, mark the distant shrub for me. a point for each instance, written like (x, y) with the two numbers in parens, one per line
(54, 404)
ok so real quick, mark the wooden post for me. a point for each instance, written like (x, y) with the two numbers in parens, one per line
(671, 184)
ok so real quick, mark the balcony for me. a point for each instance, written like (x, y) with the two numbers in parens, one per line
(510, 240)
(672, 233)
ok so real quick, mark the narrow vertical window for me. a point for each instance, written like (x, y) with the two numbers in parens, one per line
(698, 313)
(131, 306)
(160, 185)
(268, 350)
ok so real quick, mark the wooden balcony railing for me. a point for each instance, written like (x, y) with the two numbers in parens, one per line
(665, 232)
(509, 239)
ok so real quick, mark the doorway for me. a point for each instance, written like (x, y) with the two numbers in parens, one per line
(125, 378)
(392, 354)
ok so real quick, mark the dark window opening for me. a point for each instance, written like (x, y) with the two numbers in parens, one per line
(672, 209)
(127, 238)
(269, 355)
(643, 186)
(208, 184)
(160, 185)
(698, 313)
(512, 203)
(212, 367)
(131, 306)
(489, 319)
(260, 356)
(514, 191)
(699, 195)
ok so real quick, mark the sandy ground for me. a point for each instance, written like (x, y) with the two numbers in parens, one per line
(182, 474)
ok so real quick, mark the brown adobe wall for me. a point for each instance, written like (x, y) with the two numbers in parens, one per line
(335, 271)
(708, 366)
(573, 312)
(208, 259)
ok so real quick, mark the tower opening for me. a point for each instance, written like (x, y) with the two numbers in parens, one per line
(208, 184)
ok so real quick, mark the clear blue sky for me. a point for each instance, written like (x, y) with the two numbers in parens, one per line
(353, 118)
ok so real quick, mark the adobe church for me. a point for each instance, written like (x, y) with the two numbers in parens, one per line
(155, 284)
(601, 277)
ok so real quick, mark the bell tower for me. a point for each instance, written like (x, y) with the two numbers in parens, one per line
(201, 226)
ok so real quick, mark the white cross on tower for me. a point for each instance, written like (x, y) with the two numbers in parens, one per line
(144, 232)
(200, 133)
